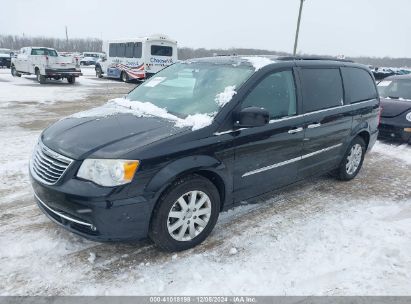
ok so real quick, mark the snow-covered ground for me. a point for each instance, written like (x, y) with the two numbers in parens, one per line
(321, 237)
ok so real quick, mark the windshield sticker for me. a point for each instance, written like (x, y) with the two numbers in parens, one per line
(154, 81)
(384, 83)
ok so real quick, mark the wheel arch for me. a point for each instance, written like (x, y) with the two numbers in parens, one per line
(205, 166)
(362, 130)
(365, 135)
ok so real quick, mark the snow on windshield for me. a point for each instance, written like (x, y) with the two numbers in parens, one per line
(224, 97)
(145, 109)
(258, 62)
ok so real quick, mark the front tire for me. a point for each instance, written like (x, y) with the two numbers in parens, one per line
(185, 214)
(352, 161)
(99, 72)
(124, 77)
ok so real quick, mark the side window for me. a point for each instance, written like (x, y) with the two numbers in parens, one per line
(137, 49)
(359, 83)
(161, 50)
(121, 50)
(276, 94)
(129, 49)
(322, 89)
(112, 52)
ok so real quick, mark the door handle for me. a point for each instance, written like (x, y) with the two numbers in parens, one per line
(314, 125)
(296, 130)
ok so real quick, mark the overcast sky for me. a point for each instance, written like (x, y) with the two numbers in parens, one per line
(334, 27)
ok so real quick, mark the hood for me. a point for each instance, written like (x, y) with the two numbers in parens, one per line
(106, 137)
(394, 107)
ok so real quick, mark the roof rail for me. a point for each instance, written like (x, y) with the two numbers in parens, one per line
(312, 58)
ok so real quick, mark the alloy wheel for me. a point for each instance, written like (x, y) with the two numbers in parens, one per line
(354, 159)
(189, 215)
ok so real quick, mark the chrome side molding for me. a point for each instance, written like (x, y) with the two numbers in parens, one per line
(259, 170)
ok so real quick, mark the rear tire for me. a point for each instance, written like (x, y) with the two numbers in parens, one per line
(71, 79)
(352, 161)
(14, 72)
(185, 214)
(40, 78)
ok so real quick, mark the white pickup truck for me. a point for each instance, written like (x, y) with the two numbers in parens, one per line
(44, 63)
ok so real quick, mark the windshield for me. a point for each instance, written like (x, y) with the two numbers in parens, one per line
(395, 89)
(189, 88)
(48, 52)
(91, 55)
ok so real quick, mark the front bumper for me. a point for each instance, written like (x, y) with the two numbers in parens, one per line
(95, 219)
(63, 72)
(394, 132)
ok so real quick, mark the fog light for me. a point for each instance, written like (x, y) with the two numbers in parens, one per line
(408, 130)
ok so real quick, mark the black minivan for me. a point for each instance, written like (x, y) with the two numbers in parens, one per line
(199, 137)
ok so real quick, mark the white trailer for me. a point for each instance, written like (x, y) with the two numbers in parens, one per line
(137, 58)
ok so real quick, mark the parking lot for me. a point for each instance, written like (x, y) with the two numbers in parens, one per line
(320, 237)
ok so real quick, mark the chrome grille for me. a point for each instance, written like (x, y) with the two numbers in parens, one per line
(48, 166)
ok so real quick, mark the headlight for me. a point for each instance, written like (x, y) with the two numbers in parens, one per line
(108, 172)
(408, 117)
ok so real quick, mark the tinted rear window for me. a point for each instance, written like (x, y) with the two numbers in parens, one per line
(322, 89)
(161, 50)
(359, 84)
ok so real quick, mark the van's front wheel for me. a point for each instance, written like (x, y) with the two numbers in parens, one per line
(353, 160)
(186, 214)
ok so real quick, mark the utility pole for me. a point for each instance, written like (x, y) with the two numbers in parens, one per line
(298, 28)
(66, 35)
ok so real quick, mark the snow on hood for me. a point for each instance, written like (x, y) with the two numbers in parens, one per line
(258, 62)
(224, 97)
(145, 109)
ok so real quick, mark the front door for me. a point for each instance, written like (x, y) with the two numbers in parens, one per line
(267, 157)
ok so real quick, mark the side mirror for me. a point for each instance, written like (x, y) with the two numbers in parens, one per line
(252, 117)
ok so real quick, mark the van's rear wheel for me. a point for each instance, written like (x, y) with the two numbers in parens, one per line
(124, 76)
(353, 160)
(186, 214)
(40, 78)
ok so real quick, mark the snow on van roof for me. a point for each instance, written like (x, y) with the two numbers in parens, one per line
(144, 38)
(257, 62)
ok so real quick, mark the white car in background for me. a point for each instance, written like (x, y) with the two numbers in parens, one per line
(90, 58)
(44, 63)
